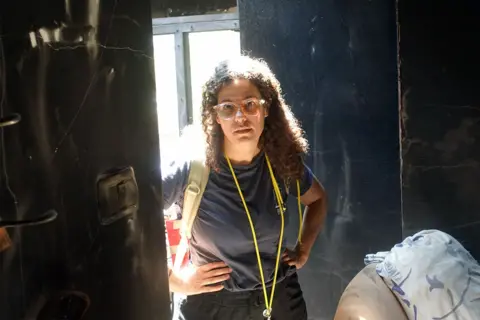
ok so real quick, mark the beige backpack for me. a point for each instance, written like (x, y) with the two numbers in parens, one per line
(192, 142)
(197, 181)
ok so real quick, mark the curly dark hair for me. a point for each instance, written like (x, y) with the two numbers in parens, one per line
(282, 138)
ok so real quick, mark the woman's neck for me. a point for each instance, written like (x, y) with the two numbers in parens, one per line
(241, 154)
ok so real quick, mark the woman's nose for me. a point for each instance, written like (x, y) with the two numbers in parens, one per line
(239, 116)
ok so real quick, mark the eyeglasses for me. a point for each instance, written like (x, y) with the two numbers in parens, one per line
(249, 107)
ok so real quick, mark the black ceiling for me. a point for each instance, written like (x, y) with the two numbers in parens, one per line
(174, 8)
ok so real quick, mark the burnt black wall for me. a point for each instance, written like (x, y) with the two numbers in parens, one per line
(439, 67)
(338, 66)
(337, 62)
(94, 102)
(86, 97)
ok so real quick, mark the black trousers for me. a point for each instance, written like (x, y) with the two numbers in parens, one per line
(288, 304)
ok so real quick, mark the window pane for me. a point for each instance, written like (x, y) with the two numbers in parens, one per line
(166, 87)
(207, 49)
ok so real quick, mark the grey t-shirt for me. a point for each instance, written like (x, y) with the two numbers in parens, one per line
(221, 230)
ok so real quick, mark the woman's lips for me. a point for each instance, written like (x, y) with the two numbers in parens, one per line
(242, 130)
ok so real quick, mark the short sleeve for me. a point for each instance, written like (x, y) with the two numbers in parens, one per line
(171, 178)
(305, 182)
(174, 174)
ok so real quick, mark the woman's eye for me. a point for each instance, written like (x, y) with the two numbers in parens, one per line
(250, 105)
(228, 107)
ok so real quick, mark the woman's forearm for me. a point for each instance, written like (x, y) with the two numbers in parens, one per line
(313, 221)
(174, 281)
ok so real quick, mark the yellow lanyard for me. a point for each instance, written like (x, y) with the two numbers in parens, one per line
(268, 303)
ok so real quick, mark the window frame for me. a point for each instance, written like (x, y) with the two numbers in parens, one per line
(181, 27)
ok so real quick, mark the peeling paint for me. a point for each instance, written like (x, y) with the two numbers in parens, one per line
(5, 241)
(456, 138)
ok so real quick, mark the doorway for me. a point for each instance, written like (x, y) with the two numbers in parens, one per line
(186, 50)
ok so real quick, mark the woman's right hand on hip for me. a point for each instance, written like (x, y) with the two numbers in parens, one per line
(193, 280)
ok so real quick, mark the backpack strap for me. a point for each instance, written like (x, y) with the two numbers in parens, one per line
(197, 181)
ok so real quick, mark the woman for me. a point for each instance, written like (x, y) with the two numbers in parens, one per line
(253, 145)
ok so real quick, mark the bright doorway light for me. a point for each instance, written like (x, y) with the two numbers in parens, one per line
(207, 49)
(166, 89)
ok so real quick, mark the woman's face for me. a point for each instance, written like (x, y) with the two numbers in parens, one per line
(241, 112)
